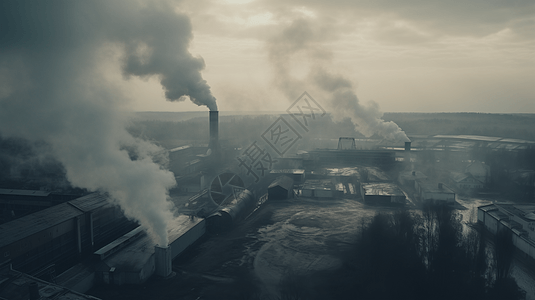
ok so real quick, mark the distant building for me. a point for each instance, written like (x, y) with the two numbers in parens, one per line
(318, 188)
(298, 175)
(435, 192)
(480, 171)
(518, 218)
(281, 188)
(465, 182)
(382, 193)
(409, 178)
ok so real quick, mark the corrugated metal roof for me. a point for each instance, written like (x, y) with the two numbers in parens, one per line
(24, 192)
(31, 224)
(90, 202)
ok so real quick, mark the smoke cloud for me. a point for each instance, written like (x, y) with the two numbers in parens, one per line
(51, 89)
(304, 37)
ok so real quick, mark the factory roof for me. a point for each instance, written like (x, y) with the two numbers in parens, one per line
(34, 223)
(458, 177)
(523, 211)
(348, 171)
(375, 174)
(288, 171)
(135, 255)
(180, 148)
(181, 225)
(381, 189)
(434, 187)
(318, 184)
(24, 192)
(90, 202)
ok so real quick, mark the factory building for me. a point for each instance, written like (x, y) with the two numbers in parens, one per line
(17, 203)
(133, 258)
(465, 182)
(436, 192)
(518, 218)
(62, 234)
(298, 175)
(318, 188)
(281, 188)
(409, 178)
(382, 193)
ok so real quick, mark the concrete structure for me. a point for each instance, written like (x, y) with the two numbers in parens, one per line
(163, 261)
(518, 218)
(281, 188)
(434, 191)
(382, 193)
(318, 188)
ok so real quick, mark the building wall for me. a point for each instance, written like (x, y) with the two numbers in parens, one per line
(187, 239)
(491, 223)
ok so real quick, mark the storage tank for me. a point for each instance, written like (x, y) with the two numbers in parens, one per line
(242, 206)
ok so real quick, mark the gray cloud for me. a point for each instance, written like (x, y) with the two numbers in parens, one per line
(52, 90)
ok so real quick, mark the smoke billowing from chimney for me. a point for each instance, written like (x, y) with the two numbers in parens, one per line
(304, 36)
(51, 89)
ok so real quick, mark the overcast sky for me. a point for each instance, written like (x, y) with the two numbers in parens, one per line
(406, 56)
(422, 56)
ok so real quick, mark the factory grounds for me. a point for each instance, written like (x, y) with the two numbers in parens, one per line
(299, 236)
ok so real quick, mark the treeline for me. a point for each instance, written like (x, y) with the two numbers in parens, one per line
(240, 129)
(519, 126)
(413, 256)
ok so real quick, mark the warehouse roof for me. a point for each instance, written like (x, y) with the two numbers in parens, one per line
(381, 189)
(434, 187)
(24, 192)
(34, 223)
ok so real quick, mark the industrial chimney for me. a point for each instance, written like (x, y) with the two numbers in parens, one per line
(214, 130)
(163, 261)
(407, 146)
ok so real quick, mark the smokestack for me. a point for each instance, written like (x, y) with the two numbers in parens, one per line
(407, 146)
(214, 131)
(163, 261)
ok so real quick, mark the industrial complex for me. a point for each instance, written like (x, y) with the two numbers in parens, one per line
(53, 245)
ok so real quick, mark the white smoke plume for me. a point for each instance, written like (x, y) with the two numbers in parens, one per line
(51, 89)
(304, 37)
